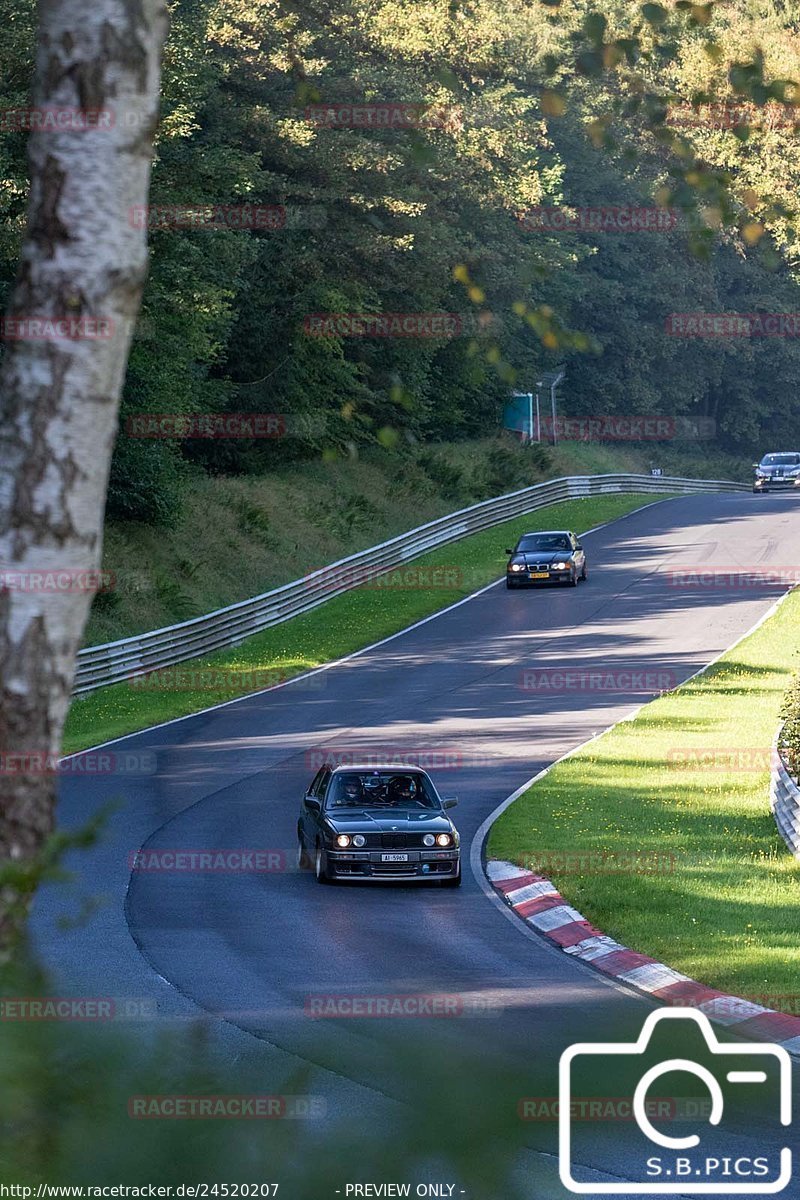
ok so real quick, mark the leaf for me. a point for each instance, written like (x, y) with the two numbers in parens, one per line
(752, 232)
(594, 26)
(654, 14)
(553, 103)
(589, 62)
(388, 437)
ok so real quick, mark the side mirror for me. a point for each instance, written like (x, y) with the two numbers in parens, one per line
(578, 546)
(756, 465)
(509, 551)
(313, 803)
(450, 802)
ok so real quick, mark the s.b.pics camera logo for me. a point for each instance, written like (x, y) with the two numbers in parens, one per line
(681, 1144)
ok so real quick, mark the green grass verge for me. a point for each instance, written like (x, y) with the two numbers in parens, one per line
(727, 911)
(344, 624)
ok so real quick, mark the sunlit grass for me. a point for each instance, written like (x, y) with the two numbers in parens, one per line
(723, 904)
(344, 624)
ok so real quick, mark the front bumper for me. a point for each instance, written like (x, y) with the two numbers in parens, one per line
(368, 864)
(772, 484)
(533, 578)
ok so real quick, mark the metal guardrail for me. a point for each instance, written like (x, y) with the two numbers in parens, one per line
(113, 662)
(784, 798)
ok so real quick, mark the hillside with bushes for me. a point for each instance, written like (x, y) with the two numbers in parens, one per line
(492, 110)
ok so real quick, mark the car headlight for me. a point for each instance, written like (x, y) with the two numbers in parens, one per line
(359, 840)
(444, 839)
(343, 840)
(429, 840)
(517, 567)
(560, 566)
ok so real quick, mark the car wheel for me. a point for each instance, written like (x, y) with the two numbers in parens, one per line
(510, 585)
(320, 868)
(303, 857)
(573, 578)
(585, 573)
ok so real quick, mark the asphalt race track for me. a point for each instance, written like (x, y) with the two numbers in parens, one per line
(254, 950)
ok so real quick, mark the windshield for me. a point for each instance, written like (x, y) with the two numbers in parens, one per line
(780, 460)
(378, 789)
(543, 541)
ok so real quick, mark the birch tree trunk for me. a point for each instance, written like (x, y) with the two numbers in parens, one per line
(83, 261)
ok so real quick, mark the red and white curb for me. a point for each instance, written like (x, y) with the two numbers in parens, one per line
(539, 903)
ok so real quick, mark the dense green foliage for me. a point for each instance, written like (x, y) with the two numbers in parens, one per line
(541, 104)
(790, 733)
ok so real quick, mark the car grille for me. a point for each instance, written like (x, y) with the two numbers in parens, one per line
(394, 841)
(385, 870)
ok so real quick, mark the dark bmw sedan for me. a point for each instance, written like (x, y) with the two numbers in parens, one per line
(552, 556)
(378, 823)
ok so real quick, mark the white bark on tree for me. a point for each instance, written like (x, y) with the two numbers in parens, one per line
(81, 257)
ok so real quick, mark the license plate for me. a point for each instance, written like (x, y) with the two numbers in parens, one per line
(394, 858)
(539, 574)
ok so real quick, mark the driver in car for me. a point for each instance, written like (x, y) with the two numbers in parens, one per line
(403, 790)
(351, 793)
